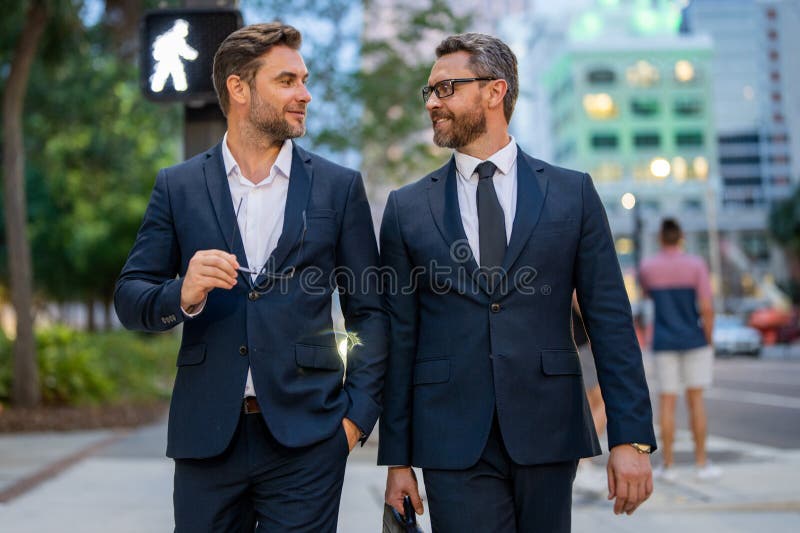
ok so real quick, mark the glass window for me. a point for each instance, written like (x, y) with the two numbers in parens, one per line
(607, 172)
(685, 71)
(605, 140)
(645, 107)
(688, 107)
(601, 75)
(692, 205)
(642, 74)
(689, 138)
(600, 106)
(647, 140)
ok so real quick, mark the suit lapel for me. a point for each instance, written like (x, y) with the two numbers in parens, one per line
(531, 192)
(443, 200)
(220, 194)
(300, 178)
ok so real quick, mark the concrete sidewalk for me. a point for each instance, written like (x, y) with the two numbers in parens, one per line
(120, 481)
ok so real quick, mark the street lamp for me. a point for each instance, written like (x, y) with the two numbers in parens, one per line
(629, 202)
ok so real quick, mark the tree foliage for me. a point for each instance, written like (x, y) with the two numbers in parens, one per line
(94, 145)
(396, 138)
(366, 80)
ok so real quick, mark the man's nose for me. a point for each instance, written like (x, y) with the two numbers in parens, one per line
(304, 95)
(433, 102)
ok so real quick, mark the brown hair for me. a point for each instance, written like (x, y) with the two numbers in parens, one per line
(241, 51)
(489, 57)
(671, 233)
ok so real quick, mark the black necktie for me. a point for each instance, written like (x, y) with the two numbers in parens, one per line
(491, 220)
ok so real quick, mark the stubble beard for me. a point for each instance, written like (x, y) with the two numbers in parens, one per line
(267, 120)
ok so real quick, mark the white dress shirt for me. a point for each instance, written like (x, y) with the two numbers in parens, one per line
(260, 208)
(505, 185)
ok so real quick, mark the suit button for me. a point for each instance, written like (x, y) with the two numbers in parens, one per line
(495, 308)
(253, 296)
(242, 350)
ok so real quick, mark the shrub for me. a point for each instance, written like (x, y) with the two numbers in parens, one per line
(77, 367)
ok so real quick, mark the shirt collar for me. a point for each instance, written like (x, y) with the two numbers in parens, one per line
(282, 165)
(504, 159)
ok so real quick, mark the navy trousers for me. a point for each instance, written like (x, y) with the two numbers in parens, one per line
(497, 495)
(258, 479)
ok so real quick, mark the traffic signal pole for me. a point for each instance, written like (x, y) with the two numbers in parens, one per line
(203, 122)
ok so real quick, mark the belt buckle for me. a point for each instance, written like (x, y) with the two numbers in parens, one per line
(247, 410)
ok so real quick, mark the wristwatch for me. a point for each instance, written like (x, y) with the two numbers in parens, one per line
(641, 448)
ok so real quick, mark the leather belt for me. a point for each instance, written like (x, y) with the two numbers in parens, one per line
(250, 405)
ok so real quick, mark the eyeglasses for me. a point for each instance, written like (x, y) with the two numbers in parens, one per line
(269, 276)
(446, 88)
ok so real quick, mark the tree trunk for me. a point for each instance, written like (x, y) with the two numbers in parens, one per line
(107, 314)
(91, 325)
(25, 390)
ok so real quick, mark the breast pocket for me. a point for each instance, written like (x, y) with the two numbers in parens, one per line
(321, 225)
(554, 227)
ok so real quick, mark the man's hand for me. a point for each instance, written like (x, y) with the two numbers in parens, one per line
(352, 431)
(401, 481)
(630, 479)
(208, 269)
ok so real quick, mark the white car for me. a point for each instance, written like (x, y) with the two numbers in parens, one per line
(732, 336)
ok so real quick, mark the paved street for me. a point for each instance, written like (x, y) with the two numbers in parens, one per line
(753, 400)
(124, 484)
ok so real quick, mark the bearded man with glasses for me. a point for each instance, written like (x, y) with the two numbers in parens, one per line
(483, 385)
(263, 414)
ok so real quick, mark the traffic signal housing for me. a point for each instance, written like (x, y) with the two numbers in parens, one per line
(177, 52)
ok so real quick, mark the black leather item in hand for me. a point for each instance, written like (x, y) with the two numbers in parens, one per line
(394, 522)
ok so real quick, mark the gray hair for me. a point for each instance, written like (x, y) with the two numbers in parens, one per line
(489, 57)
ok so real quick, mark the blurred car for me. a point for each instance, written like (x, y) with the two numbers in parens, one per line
(732, 337)
(777, 326)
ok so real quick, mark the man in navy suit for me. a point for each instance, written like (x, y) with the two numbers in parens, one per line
(259, 233)
(483, 385)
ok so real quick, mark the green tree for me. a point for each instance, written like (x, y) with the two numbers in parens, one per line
(366, 83)
(93, 145)
(395, 134)
(92, 180)
(25, 390)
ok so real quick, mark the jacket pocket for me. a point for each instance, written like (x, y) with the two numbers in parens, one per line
(432, 371)
(320, 357)
(560, 363)
(554, 226)
(191, 355)
(321, 213)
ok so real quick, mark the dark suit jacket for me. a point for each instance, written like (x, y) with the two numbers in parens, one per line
(286, 335)
(458, 352)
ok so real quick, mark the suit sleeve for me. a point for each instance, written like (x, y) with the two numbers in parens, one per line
(607, 316)
(365, 319)
(147, 295)
(400, 300)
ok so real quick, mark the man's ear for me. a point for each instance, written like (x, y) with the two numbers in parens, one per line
(238, 90)
(497, 91)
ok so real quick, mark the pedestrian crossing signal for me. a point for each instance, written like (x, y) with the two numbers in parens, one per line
(177, 52)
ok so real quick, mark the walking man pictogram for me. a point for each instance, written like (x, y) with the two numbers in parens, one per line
(169, 51)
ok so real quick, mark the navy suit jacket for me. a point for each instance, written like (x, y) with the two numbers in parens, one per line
(286, 335)
(459, 352)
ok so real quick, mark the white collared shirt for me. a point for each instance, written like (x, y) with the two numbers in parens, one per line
(505, 185)
(260, 206)
(260, 212)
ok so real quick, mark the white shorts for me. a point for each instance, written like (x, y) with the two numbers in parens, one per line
(677, 370)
